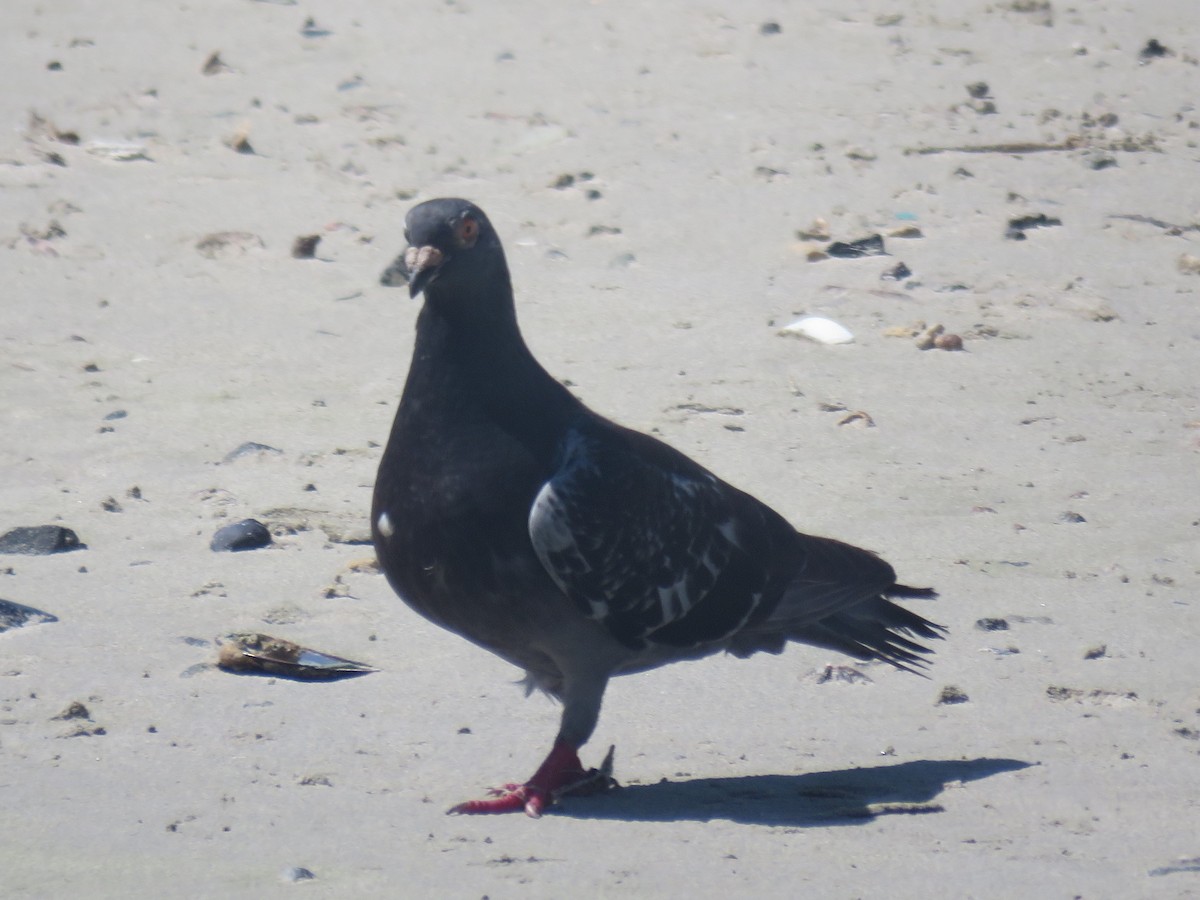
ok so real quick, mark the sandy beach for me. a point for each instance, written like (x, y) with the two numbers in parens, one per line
(670, 184)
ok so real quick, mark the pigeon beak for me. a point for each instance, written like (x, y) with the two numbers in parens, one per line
(424, 264)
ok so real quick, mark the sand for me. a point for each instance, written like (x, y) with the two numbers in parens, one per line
(1046, 475)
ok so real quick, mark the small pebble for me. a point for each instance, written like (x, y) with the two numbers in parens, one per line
(240, 143)
(75, 710)
(990, 624)
(214, 65)
(1153, 50)
(951, 694)
(948, 342)
(927, 339)
(305, 246)
(312, 30)
(1098, 652)
(898, 272)
(297, 873)
(1189, 264)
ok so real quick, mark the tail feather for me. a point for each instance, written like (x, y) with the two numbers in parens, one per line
(875, 628)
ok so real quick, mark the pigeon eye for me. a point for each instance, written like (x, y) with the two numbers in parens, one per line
(467, 231)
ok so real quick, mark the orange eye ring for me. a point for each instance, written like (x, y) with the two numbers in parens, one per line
(467, 231)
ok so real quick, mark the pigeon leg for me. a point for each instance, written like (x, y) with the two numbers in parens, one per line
(560, 774)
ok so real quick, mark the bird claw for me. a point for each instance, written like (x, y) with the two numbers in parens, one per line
(594, 781)
(533, 799)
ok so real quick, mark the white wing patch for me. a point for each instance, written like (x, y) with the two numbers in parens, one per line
(384, 524)
(555, 545)
(548, 520)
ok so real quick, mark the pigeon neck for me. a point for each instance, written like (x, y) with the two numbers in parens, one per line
(471, 354)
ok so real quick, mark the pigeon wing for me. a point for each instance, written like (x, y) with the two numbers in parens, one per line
(647, 542)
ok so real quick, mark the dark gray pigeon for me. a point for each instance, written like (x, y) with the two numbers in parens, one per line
(508, 512)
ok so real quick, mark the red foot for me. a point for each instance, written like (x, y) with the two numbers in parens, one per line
(560, 774)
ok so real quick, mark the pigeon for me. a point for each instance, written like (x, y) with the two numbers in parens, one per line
(508, 512)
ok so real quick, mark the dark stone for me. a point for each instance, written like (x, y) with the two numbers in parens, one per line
(40, 540)
(305, 246)
(1153, 50)
(248, 534)
(952, 694)
(75, 711)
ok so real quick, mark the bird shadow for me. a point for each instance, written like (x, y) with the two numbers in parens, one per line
(814, 799)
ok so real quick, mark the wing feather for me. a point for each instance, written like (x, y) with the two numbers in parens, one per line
(650, 544)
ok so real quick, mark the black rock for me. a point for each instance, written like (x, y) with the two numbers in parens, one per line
(1153, 50)
(40, 540)
(305, 246)
(248, 534)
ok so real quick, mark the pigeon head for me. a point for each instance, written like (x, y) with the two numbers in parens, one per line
(449, 241)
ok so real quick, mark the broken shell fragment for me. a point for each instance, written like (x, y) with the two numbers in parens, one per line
(17, 615)
(253, 652)
(819, 329)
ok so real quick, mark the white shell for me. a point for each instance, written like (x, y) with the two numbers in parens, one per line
(819, 329)
(118, 151)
